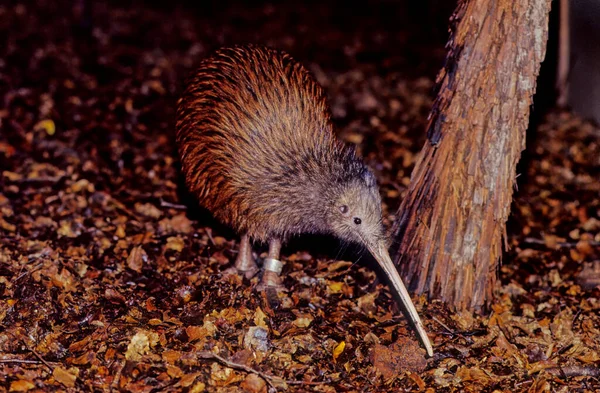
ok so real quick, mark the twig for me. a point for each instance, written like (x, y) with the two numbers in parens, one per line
(271, 380)
(525, 382)
(42, 179)
(533, 240)
(120, 206)
(575, 371)
(40, 357)
(22, 361)
(308, 382)
(28, 272)
(444, 326)
(115, 382)
(229, 363)
(177, 206)
(506, 333)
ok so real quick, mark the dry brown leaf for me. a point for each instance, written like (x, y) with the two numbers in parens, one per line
(254, 384)
(136, 259)
(562, 327)
(12, 176)
(63, 280)
(66, 377)
(367, 304)
(196, 333)
(338, 265)
(473, 374)
(174, 371)
(66, 229)
(85, 358)
(7, 226)
(223, 376)
(114, 296)
(179, 223)
(503, 348)
(416, 379)
(259, 318)
(148, 210)
(171, 356)
(21, 385)
(188, 379)
(403, 355)
(257, 339)
(175, 243)
(140, 344)
(541, 385)
(303, 321)
(198, 388)
(120, 232)
(463, 319)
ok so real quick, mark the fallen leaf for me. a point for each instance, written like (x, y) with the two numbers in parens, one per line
(7, 226)
(46, 125)
(175, 243)
(174, 371)
(136, 259)
(171, 356)
(335, 287)
(12, 176)
(140, 345)
(148, 210)
(337, 351)
(254, 384)
(257, 338)
(303, 321)
(198, 388)
(416, 379)
(259, 318)
(188, 379)
(66, 229)
(366, 303)
(21, 385)
(179, 223)
(114, 296)
(473, 374)
(66, 377)
(404, 354)
(197, 333)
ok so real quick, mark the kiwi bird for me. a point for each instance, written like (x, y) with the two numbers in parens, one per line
(258, 150)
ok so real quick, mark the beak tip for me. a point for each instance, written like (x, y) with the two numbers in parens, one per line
(429, 350)
(381, 255)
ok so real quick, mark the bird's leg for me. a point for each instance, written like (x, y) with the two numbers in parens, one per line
(272, 266)
(244, 264)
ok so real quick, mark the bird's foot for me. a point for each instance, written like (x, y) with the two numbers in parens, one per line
(271, 275)
(249, 272)
(271, 285)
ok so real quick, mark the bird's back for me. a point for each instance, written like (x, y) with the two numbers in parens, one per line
(253, 129)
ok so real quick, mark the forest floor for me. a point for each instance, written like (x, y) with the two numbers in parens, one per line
(110, 276)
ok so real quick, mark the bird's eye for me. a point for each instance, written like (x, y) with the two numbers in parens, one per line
(344, 209)
(357, 220)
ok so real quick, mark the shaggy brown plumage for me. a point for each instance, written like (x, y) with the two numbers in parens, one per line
(258, 150)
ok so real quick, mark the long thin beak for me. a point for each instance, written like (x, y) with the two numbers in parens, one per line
(380, 252)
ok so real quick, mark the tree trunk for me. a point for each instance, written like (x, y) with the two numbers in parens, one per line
(451, 224)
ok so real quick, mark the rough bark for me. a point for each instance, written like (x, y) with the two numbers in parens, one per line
(451, 224)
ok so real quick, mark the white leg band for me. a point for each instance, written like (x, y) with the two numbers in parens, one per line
(273, 265)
